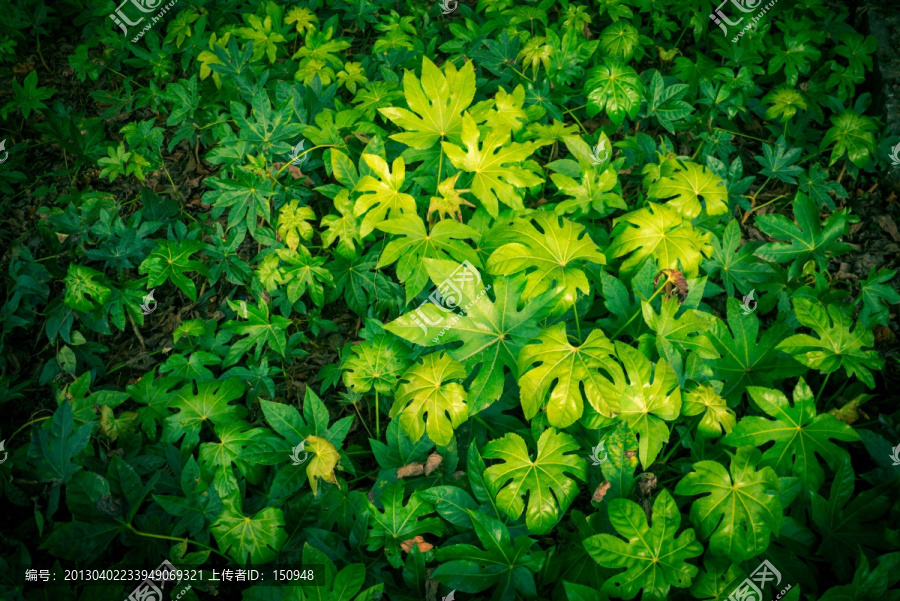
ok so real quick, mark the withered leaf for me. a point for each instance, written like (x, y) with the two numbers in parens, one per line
(419, 542)
(432, 463)
(413, 469)
(600, 492)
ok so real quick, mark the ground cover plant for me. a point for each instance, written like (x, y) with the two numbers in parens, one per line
(562, 300)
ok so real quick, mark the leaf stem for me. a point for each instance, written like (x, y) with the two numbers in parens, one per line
(377, 417)
(571, 114)
(734, 133)
(638, 312)
(34, 421)
(577, 322)
(289, 163)
(822, 388)
(174, 187)
(174, 538)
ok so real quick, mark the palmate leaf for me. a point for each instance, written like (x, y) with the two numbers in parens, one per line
(246, 196)
(665, 102)
(687, 332)
(261, 330)
(846, 522)
(690, 184)
(80, 283)
(266, 127)
(706, 399)
(554, 365)
(385, 198)
(199, 503)
(655, 559)
(740, 511)
(54, 445)
(199, 403)
(553, 257)
(442, 242)
(550, 491)
(649, 397)
(496, 168)
(785, 102)
(795, 58)
(293, 224)
(330, 584)
(621, 448)
(851, 134)
(492, 332)
(869, 584)
(809, 238)
(376, 363)
(437, 102)
(233, 437)
(344, 227)
(398, 523)
(778, 162)
(507, 563)
(171, 261)
(661, 232)
(837, 346)
(815, 184)
(301, 272)
(735, 263)
(256, 539)
(877, 296)
(798, 433)
(619, 40)
(745, 360)
(324, 458)
(424, 389)
(613, 87)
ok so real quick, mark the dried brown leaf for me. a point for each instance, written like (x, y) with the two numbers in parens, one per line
(413, 469)
(407, 545)
(600, 492)
(432, 463)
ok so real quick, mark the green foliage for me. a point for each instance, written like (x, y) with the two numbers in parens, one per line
(576, 256)
(550, 491)
(654, 557)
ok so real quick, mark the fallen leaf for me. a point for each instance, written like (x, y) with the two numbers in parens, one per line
(413, 469)
(419, 542)
(674, 279)
(887, 224)
(434, 460)
(600, 492)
